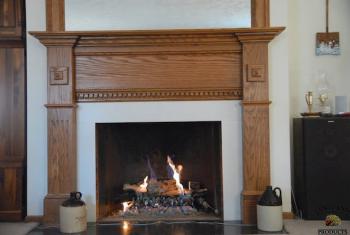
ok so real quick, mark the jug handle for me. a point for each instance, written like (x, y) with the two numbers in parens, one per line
(279, 192)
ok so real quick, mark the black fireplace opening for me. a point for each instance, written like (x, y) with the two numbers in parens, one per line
(159, 171)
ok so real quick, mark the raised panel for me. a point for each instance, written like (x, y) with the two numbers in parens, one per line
(11, 181)
(61, 150)
(12, 104)
(255, 71)
(256, 150)
(158, 71)
(11, 18)
(7, 13)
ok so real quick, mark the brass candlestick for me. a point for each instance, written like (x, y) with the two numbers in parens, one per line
(309, 100)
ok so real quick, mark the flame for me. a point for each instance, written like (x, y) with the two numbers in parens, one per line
(176, 174)
(126, 206)
(143, 186)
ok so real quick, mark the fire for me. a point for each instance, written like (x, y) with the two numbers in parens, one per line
(143, 186)
(176, 174)
(126, 206)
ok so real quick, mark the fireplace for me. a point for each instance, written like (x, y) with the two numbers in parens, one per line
(159, 170)
(157, 65)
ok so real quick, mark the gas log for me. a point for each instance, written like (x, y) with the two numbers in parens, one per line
(163, 197)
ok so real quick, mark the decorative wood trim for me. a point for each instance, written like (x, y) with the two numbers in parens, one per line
(259, 34)
(14, 216)
(260, 13)
(158, 94)
(55, 15)
(34, 218)
(255, 103)
(288, 215)
(12, 43)
(61, 106)
(53, 41)
(11, 20)
(52, 204)
(255, 73)
(12, 163)
(142, 36)
(59, 75)
(249, 201)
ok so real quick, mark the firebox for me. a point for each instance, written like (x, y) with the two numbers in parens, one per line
(159, 171)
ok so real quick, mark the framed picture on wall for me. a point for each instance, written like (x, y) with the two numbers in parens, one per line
(327, 44)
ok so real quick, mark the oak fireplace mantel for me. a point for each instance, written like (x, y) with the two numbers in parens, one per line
(155, 65)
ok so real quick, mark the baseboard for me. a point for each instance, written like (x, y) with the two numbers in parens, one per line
(288, 215)
(11, 216)
(34, 218)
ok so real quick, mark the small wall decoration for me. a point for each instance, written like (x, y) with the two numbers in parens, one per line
(327, 43)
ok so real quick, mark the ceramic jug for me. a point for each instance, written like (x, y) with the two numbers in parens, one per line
(73, 214)
(269, 210)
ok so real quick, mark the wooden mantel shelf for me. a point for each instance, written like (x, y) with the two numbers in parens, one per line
(268, 30)
(259, 34)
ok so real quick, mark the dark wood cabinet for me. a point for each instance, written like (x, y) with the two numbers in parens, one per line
(321, 166)
(12, 111)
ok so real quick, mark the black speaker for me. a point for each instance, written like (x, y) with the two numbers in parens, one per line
(321, 167)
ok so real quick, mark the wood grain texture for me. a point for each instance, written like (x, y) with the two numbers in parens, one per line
(249, 201)
(158, 71)
(61, 150)
(256, 144)
(52, 204)
(256, 167)
(11, 17)
(58, 58)
(11, 182)
(260, 13)
(61, 116)
(12, 104)
(12, 133)
(55, 15)
(202, 64)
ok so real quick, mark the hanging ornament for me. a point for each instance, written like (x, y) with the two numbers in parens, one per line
(327, 43)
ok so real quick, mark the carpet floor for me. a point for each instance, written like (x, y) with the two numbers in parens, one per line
(16, 228)
(308, 227)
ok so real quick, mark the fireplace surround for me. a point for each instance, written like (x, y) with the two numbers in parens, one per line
(110, 66)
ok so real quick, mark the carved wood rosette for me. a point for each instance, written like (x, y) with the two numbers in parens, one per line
(255, 105)
(61, 115)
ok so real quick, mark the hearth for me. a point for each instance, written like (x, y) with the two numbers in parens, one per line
(159, 171)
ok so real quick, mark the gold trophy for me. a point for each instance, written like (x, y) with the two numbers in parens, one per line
(309, 101)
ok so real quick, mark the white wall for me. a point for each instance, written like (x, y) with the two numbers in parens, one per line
(36, 112)
(308, 18)
(279, 95)
(227, 111)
